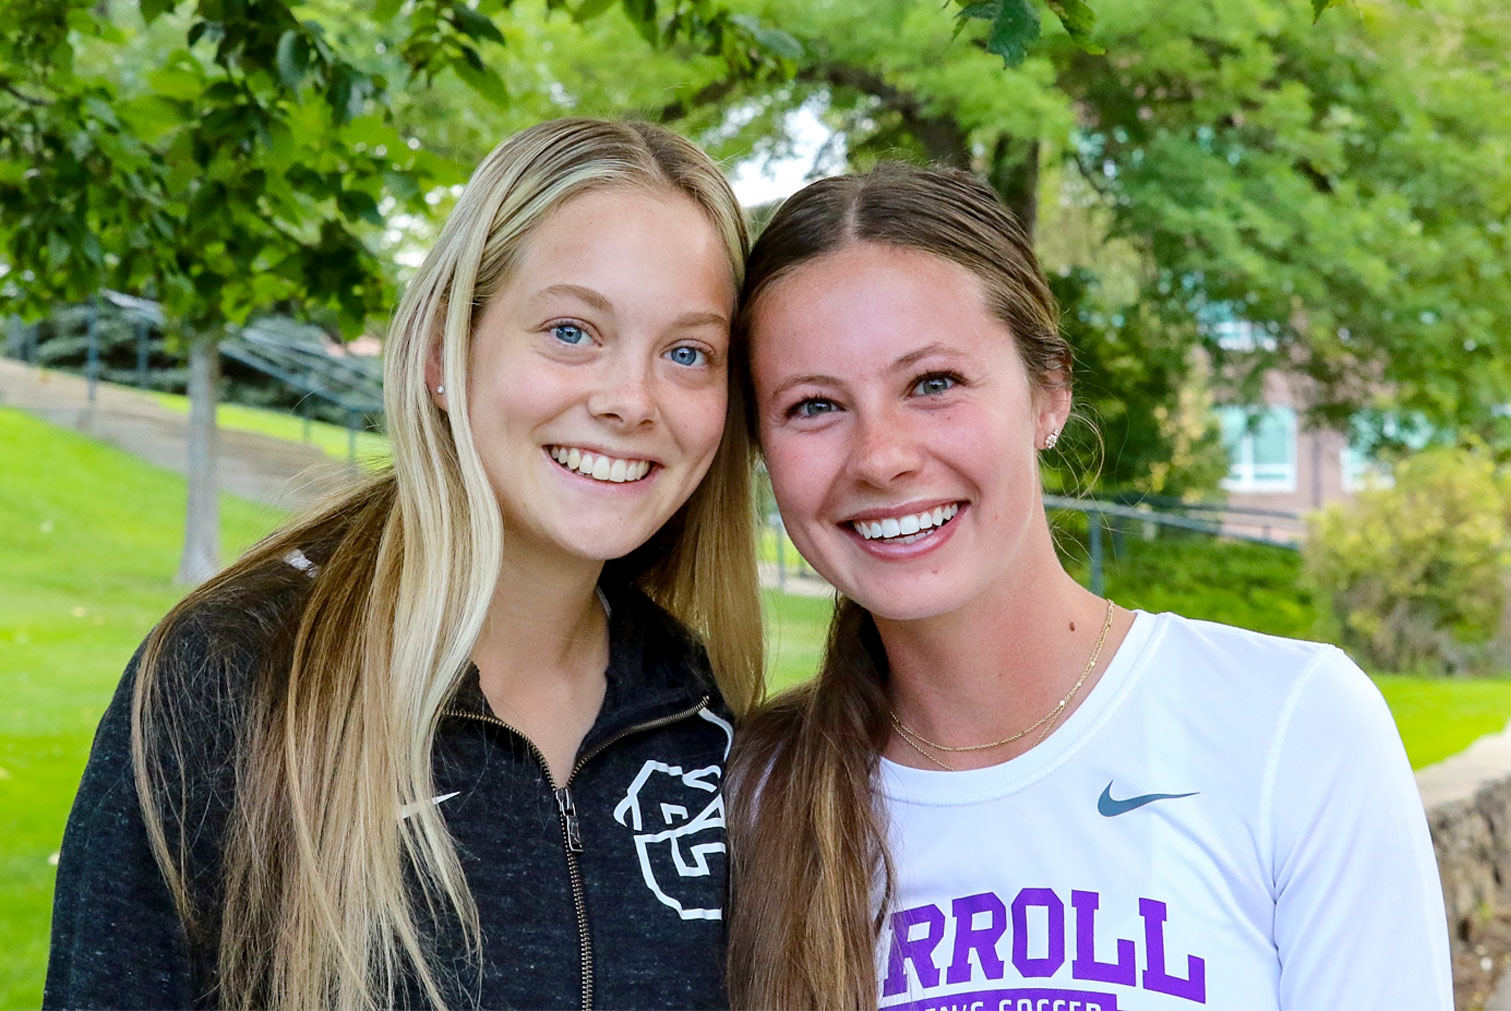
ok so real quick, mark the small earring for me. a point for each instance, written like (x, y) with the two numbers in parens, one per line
(440, 389)
(1051, 439)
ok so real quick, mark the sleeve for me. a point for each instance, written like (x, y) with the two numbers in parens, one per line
(117, 940)
(1359, 917)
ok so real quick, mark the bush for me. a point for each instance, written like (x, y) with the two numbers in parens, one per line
(1417, 575)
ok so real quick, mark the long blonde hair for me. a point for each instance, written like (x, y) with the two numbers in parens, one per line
(807, 839)
(335, 725)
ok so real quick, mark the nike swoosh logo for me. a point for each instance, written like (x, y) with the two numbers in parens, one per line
(409, 809)
(1109, 808)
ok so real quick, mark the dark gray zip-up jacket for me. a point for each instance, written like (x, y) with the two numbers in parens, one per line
(603, 891)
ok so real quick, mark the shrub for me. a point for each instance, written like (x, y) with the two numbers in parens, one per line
(1416, 575)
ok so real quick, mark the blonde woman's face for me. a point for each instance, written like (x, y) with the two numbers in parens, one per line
(597, 383)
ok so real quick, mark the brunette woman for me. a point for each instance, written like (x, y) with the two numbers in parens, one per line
(450, 741)
(1003, 792)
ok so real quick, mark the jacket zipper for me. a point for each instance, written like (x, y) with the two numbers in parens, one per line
(571, 827)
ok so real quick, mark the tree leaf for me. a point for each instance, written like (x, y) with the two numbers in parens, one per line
(771, 39)
(154, 9)
(480, 77)
(293, 59)
(479, 26)
(355, 204)
(1079, 19)
(589, 9)
(1319, 6)
(642, 14)
(1014, 28)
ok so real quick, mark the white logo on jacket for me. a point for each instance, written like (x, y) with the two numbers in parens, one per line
(673, 844)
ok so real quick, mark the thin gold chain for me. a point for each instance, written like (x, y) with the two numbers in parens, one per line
(914, 738)
(909, 742)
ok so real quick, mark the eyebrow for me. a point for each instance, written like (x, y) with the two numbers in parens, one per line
(692, 318)
(914, 357)
(902, 363)
(577, 291)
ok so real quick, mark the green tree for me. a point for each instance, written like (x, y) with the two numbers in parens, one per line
(1340, 183)
(235, 154)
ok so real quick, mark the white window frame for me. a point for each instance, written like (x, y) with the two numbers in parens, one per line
(1360, 472)
(1244, 474)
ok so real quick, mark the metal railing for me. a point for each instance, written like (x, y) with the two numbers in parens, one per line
(292, 353)
(1233, 522)
(1272, 527)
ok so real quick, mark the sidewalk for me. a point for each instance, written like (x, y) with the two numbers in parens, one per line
(267, 470)
(272, 471)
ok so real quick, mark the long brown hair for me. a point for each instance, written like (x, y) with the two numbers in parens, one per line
(333, 728)
(811, 875)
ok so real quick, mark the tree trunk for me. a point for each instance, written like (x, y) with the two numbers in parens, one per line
(202, 524)
(1015, 175)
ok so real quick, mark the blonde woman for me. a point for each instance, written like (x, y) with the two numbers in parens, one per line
(450, 742)
(1003, 793)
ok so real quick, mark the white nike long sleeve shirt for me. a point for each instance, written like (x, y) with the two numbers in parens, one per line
(1227, 821)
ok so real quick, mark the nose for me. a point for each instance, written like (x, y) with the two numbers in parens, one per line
(624, 395)
(883, 451)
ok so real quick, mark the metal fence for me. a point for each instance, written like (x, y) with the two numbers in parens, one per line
(1104, 519)
(291, 353)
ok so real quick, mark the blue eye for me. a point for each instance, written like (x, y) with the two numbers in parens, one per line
(811, 408)
(569, 333)
(686, 355)
(933, 385)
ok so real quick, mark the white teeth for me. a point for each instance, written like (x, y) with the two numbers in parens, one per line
(906, 529)
(600, 467)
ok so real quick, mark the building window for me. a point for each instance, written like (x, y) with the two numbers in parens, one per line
(1360, 471)
(1261, 445)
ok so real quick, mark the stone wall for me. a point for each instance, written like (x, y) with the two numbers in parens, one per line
(1468, 801)
(1473, 842)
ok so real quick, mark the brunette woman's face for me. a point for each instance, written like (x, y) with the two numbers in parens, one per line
(899, 427)
(597, 379)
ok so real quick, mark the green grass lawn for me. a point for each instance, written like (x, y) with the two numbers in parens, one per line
(91, 541)
(1438, 718)
(92, 537)
(1249, 585)
(372, 447)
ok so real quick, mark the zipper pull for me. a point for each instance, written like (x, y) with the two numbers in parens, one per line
(569, 821)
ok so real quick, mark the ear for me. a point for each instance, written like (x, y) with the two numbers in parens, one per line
(435, 374)
(1052, 402)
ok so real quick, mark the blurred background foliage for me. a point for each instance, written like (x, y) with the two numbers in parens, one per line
(1337, 180)
(1417, 576)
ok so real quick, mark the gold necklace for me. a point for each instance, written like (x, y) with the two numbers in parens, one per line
(913, 738)
(909, 742)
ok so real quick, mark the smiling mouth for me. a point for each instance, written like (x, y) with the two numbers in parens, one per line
(906, 529)
(599, 466)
